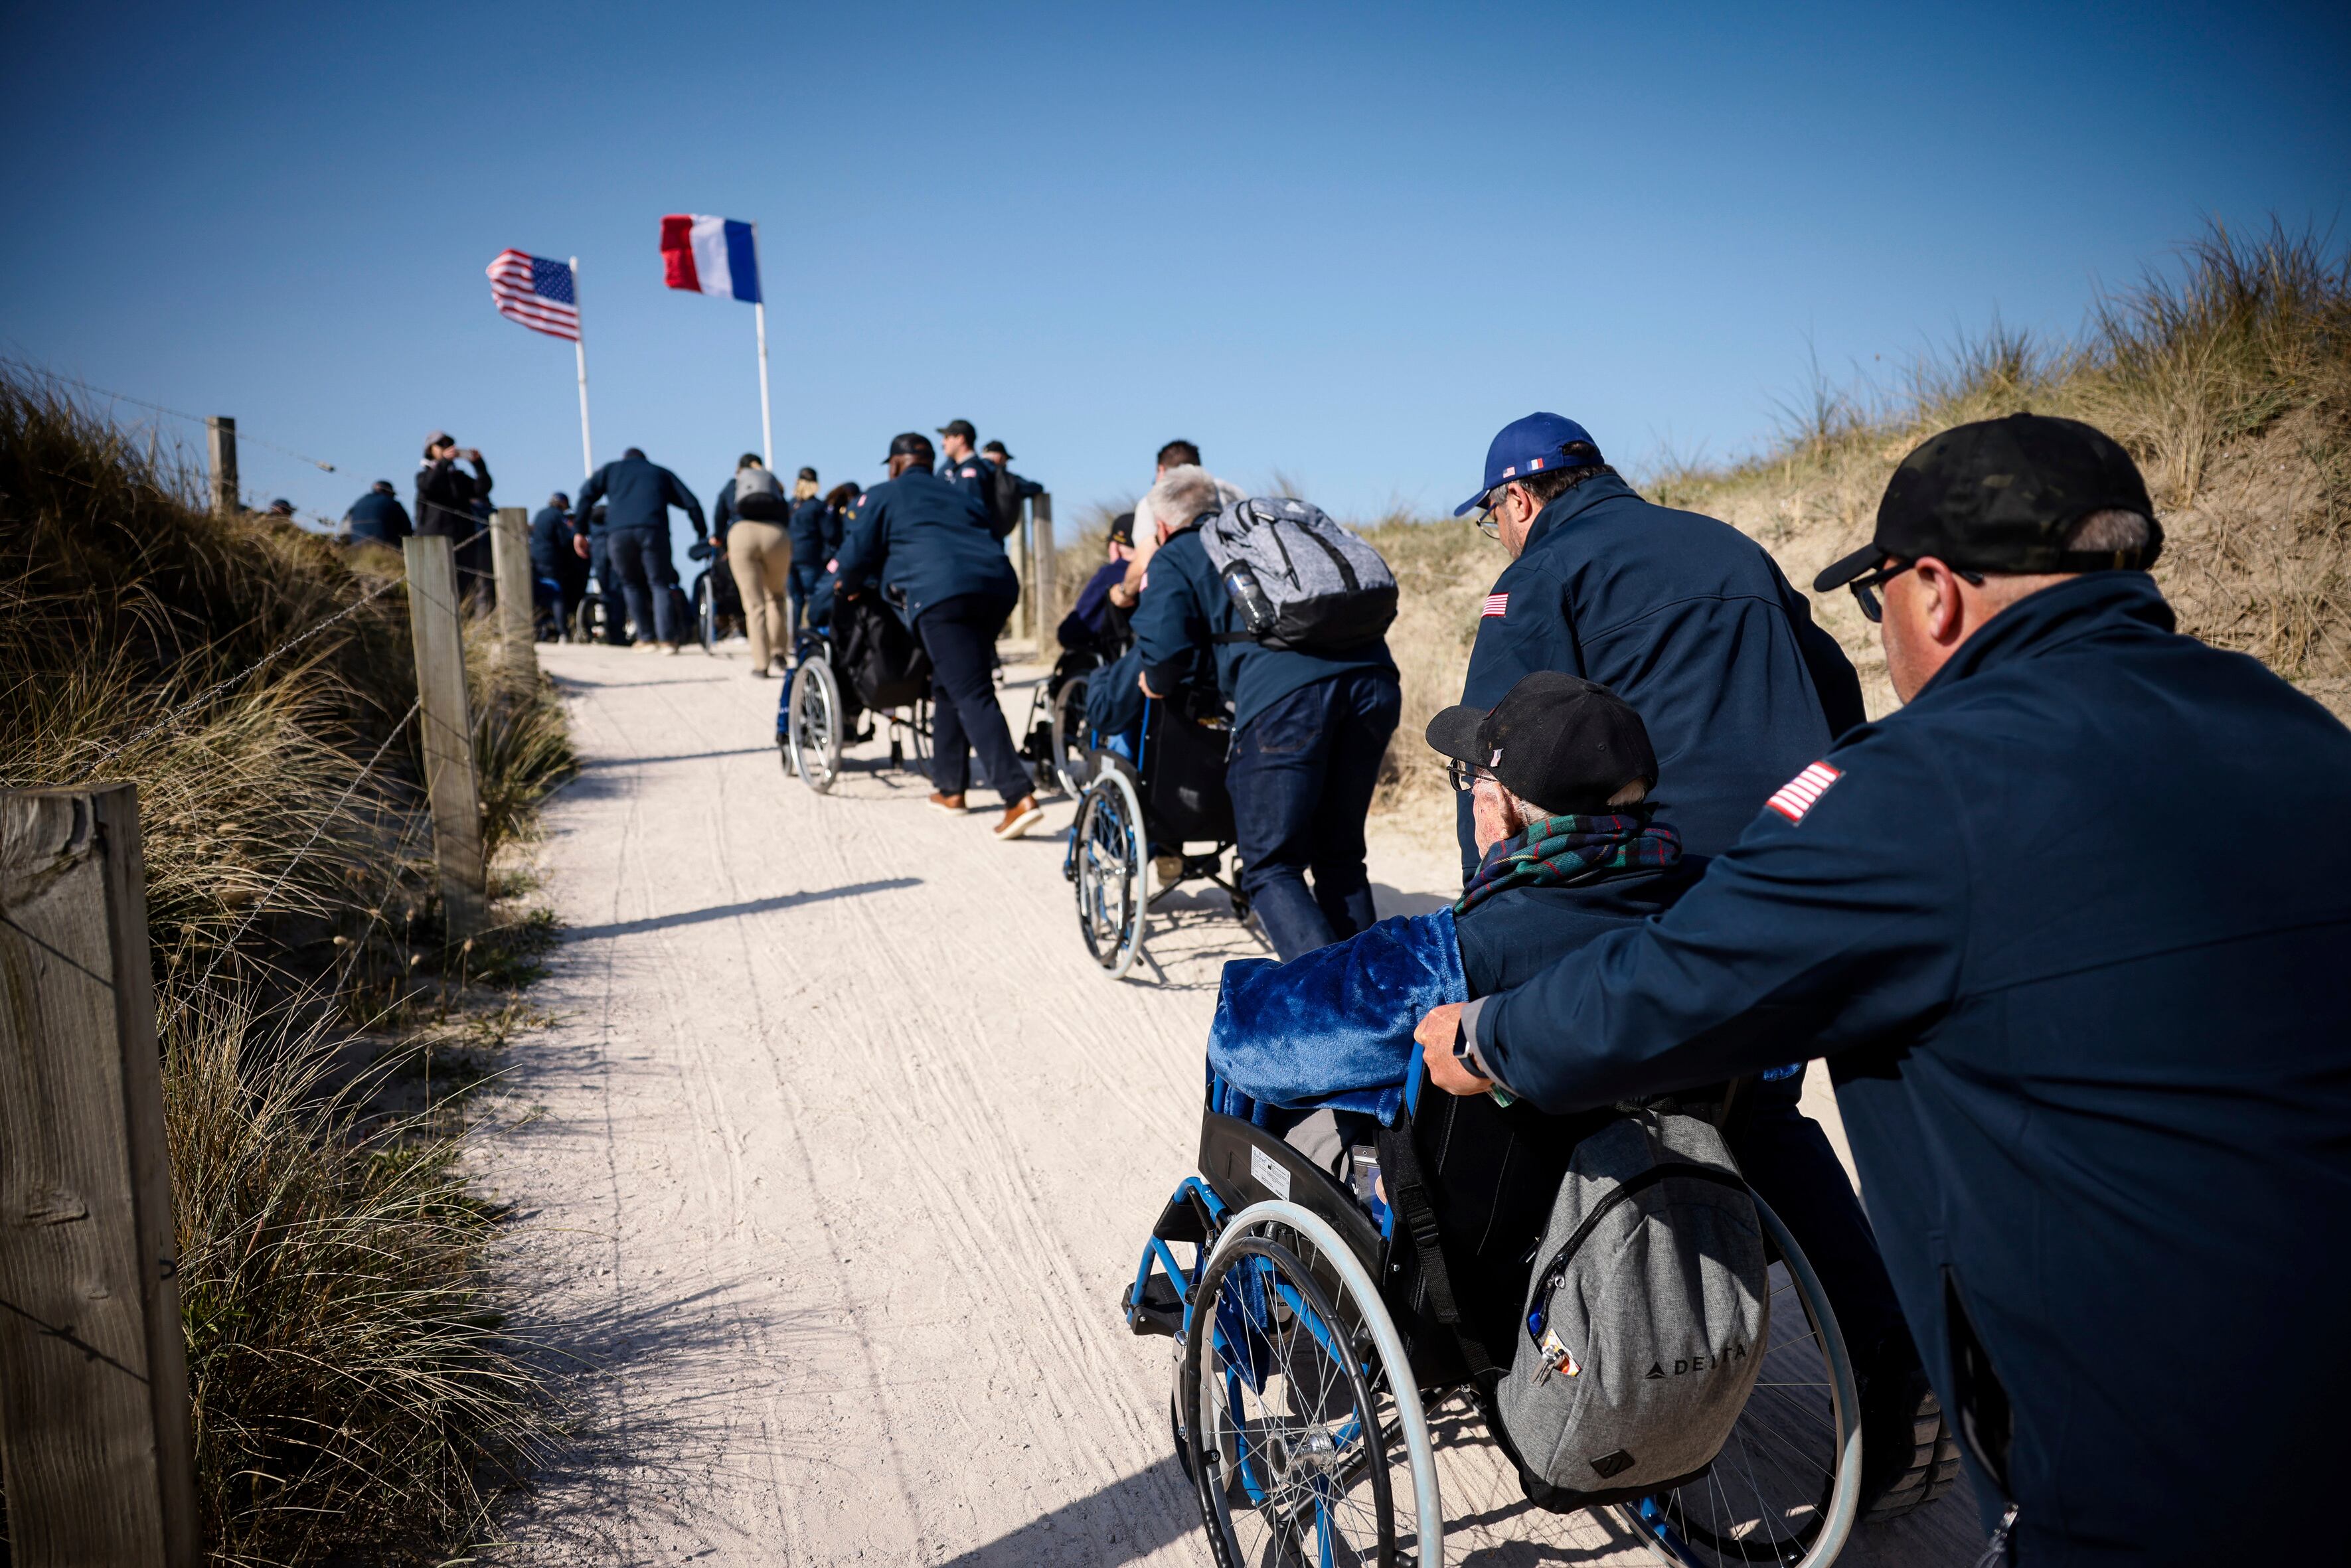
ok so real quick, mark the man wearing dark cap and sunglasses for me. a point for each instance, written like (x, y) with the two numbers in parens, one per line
(2071, 928)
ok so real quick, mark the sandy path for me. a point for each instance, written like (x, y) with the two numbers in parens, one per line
(839, 1156)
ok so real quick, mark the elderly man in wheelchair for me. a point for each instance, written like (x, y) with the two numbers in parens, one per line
(1610, 1293)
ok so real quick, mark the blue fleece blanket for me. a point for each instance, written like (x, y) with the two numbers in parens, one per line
(1334, 1026)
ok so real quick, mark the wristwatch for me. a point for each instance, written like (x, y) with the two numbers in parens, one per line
(1465, 1052)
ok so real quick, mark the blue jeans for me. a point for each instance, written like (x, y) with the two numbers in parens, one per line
(1300, 776)
(641, 559)
(803, 584)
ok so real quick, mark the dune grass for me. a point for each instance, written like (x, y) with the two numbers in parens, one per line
(356, 1395)
(2227, 377)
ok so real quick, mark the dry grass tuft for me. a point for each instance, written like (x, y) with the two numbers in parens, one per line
(354, 1387)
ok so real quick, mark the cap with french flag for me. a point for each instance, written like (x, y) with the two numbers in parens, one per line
(1526, 447)
(710, 256)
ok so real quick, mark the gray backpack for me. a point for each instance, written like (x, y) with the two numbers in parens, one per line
(1300, 580)
(1646, 1321)
(759, 496)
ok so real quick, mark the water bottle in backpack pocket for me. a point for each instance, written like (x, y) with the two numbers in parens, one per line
(1300, 580)
(1647, 1318)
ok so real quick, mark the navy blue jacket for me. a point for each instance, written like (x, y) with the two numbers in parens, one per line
(976, 476)
(551, 554)
(376, 516)
(1184, 606)
(2073, 929)
(1689, 621)
(806, 531)
(927, 541)
(638, 494)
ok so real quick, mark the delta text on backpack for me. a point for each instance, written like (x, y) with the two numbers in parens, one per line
(759, 496)
(1300, 580)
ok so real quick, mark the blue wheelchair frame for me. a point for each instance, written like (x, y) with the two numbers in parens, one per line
(1242, 1337)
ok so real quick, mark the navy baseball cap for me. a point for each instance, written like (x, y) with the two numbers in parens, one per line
(1525, 446)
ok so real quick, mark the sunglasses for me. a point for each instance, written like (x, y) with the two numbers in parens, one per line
(1865, 589)
(1465, 775)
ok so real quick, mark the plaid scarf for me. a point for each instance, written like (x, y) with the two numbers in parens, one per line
(1559, 851)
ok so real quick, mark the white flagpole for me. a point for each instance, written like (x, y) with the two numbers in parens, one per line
(759, 319)
(580, 348)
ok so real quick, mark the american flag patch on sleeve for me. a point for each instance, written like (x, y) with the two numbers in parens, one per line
(1799, 794)
(1497, 604)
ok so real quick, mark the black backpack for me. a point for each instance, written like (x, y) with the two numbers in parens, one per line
(883, 663)
(1004, 500)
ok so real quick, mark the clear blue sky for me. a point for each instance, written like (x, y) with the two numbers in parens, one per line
(1343, 242)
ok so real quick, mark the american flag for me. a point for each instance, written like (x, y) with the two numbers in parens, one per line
(536, 292)
(1799, 794)
(1497, 604)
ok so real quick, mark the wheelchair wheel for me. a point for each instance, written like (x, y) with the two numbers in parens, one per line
(1787, 1485)
(706, 612)
(1297, 1406)
(1109, 854)
(814, 730)
(1069, 759)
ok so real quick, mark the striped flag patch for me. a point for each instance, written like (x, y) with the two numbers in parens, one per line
(1497, 604)
(1799, 794)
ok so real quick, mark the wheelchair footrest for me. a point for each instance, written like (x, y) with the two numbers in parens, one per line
(1161, 1311)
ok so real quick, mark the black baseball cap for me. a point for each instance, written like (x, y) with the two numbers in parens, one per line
(997, 448)
(1559, 740)
(808, 474)
(962, 427)
(912, 444)
(2001, 495)
(1121, 529)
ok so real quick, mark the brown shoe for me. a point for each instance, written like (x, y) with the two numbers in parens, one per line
(946, 803)
(1019, 817)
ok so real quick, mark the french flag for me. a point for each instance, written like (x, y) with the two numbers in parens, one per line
(710, 256)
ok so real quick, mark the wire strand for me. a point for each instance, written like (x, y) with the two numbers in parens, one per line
(47, 374)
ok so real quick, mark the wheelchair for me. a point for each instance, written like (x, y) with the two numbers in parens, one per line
(1055, 740)
(1141, 816)
(1311, 1347)
(716, 605)
(591, 622)
(861, 669)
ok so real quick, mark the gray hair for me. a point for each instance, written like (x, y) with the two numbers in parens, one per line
(2112, 530)
(1183, 493)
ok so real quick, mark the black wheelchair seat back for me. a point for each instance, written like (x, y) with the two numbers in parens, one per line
(1183, 775)
(877, 656)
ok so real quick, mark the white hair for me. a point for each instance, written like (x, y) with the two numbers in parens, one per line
(1182, 494)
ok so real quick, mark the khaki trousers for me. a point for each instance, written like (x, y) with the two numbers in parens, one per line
(760, 555)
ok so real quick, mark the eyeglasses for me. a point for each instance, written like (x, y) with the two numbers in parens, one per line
(1865, 589)
(1465, 775)
(1489, 521)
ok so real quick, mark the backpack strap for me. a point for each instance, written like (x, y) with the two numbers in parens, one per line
(1409, 1197)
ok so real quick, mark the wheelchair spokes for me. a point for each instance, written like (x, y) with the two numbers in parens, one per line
(1786, 1487)
(1292, 1466)
(1107, 852)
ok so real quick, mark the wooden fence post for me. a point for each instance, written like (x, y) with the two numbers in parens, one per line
(1047, 590)
(95, 1444)
(518, 652)
(446, 723)
(220, 442)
